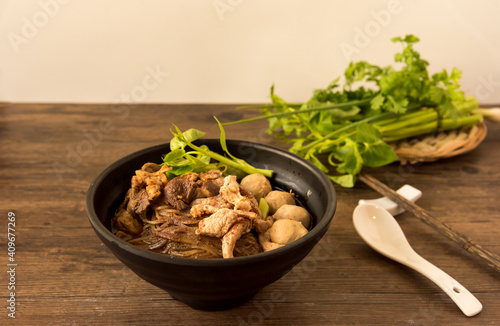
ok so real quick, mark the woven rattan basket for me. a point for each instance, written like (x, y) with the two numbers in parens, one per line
(439, 145)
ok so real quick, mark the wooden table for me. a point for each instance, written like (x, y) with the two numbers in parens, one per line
(49, 155)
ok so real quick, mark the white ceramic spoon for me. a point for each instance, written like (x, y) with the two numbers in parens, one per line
(380, 231)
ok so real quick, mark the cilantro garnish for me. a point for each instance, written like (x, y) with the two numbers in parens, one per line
(187, 157)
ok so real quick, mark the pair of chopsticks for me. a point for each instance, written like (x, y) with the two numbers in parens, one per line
(465, 242)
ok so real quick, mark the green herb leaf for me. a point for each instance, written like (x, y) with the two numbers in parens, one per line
(375, 151)
(377, 101)
(346, 180)
(174, 155)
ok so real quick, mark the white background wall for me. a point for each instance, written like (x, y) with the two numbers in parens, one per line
(230, 50)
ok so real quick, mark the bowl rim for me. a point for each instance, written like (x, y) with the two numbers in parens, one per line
(316, 231)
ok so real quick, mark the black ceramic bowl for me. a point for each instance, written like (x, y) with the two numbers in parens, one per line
(214, 284)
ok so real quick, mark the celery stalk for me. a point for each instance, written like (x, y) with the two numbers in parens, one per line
(427, 128)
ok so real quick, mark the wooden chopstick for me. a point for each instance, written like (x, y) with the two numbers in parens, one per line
(465, 242)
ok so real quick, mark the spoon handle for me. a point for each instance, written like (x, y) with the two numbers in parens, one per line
(465, 300)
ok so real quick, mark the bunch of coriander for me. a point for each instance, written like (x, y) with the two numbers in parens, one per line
(353, 124)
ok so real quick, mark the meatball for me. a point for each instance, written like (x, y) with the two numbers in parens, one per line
(285, 231)
(293, 212)
(275, 199)
(257, 184)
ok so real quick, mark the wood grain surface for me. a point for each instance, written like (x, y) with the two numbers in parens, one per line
(49, 155)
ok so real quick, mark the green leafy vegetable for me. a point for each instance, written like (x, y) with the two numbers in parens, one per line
(201, 158)
(264, 208)
(353, 124)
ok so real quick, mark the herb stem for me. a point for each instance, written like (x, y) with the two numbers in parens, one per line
(216, 156)
(267, 106)
(284, 114)
(446, 124)
(327, 147)
(410, 119)
(400, 118)
(339, 131)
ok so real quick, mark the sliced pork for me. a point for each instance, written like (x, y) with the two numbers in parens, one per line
(202, 215)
